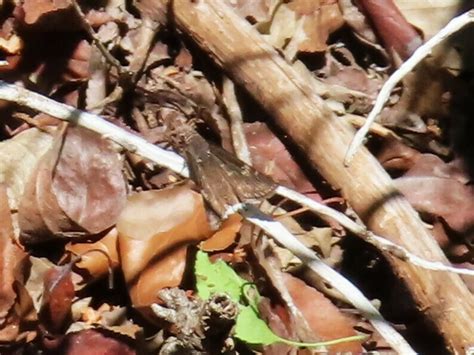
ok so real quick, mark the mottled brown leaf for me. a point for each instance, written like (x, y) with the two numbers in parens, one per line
(78, 187)
(438, 188)
(327, 322)
(57, 299)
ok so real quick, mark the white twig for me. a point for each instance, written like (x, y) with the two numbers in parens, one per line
(337, 281)
(361, 231)
(422, 52)
(95, 123)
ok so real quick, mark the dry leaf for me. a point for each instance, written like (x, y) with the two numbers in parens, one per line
(18, 158)
(16, 307)
(93, 261)
(225, 236)
(440, 12)
(78, 187)
(155, 229)
(270, 157)
(57, 300)
(439, 189)
(328, 322)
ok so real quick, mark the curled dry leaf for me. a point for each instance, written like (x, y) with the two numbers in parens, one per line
(16, 306)
(78, 187)
(18, 158)
(155, 230)
(97, 258)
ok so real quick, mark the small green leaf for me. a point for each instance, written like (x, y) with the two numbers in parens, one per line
(251, 329)
(219, 277)
(216, 277)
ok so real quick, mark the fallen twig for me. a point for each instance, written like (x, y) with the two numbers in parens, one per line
(422, 52)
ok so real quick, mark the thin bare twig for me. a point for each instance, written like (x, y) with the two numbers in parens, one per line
(422, 52)
(239, 141)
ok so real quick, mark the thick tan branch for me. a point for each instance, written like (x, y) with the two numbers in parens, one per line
(304, 116)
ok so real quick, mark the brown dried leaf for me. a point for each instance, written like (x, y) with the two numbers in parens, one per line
(328, 322)
(155, 229)
(439, 189)
(270, 157)
(18, 158)
(57, 299)
(304, 25)
(225, 236)
(49, 15)
(12, 257)
(321, 18)
(94, 262)
(78, 187)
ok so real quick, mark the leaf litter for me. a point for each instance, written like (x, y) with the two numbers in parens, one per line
(77, 211)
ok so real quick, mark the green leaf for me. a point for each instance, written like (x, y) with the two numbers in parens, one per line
(218, 277)
(251, 329)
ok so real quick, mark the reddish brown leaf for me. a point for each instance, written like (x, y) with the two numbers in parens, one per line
(94, 342)
(440, 189)
(78, 187)
(328, 322)
(48, 14)
(57, 298)
(155, 229)
(270, 157)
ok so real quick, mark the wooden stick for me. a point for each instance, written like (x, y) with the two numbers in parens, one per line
(287, 96)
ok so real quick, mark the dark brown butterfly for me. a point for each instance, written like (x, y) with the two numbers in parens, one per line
(224, 179)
